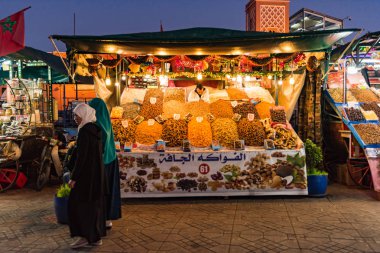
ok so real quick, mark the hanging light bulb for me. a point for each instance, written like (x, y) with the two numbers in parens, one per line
(247, 78)
(108, 81)
(123, 77)
(291, 80)
(280, 82)
(117, 84)
(228, 76)
(199, 76)
(270, 77)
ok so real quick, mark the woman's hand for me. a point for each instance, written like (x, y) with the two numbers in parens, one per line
(71, 184)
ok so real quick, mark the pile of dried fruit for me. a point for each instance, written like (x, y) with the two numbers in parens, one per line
(131, 110)
(263, 109)
(354, 114)
(200, 108)
(221, 109)
(236, 94)
(369, 133)
(174, 107)
(337, 95)
(364, 95)
(225, 131)
(148, 135)
(123, 134)
(137, 184)
(278, 115)
(149, 110)
(174, 132)
(176, 94)
(252, 132)
(244, 108)
(283, 138)
(199, 133)
(187, 184)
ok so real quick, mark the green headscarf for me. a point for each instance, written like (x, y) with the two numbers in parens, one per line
(104, 122)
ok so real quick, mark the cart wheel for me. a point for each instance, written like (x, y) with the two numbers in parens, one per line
(8, 177)
(43, 174)
(360, 173)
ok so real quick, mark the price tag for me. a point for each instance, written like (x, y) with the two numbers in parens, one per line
(234, 103)
(204, 168)
(199, 119)
(176, 116)
(251, 116)
(124, 123)
(153, 100)
(150, 122)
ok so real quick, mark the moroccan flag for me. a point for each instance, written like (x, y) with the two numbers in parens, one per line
(12, 31)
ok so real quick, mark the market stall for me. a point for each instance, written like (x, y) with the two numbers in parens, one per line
(237, 141)
(353, 99)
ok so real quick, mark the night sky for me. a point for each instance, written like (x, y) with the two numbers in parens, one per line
(95, 17)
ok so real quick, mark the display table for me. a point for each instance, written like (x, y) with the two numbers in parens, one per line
(253, 171)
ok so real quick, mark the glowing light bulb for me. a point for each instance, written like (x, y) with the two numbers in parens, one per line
(228, 76)
(117, 84)
(199, 76)
(247, 78)
(233, 79)
(291, 80)
(239, 79)
(108, 81)
(280, 82)
(270, 77)
(123, 77)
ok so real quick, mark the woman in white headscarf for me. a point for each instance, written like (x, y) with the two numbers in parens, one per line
(86, 208)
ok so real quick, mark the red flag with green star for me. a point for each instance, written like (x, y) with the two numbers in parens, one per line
(12, 33)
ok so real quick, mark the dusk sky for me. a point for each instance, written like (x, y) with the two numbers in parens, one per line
(95, 17)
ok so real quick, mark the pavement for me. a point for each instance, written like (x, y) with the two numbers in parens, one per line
(347, 220)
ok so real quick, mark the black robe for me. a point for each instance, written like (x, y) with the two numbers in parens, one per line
(86, 208)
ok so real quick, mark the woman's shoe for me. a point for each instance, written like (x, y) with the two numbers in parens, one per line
(81, 242)
(108, 224)
(94, 244)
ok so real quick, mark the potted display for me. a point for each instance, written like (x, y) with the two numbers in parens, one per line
(61, 199)
(316, 176)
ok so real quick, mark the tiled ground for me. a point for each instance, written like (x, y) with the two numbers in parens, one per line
(348, 220)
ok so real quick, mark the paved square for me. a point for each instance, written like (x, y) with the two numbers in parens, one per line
(347, 220)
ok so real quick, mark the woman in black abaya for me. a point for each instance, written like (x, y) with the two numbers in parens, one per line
(86, 208)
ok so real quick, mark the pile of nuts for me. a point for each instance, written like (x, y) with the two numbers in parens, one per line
(236, 94)
(354, 114)
(124, 134)
(137, 184)
(199, 133)
(187, 184)
(337, 95)
(372, 106)
(369, 133)
(148, 135)
(244, 108)
(252, 132)
(364, 95)
(174, 107)
(278, 115)
(174, 132)
(131, 110)
(176, 94)
(221, 109)
(200, 108)
(148, 110)
(225, 131)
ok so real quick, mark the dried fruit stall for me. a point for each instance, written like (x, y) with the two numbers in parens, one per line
(236, 140)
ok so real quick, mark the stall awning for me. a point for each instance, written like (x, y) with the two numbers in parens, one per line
(371, 40)
(205, 41)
